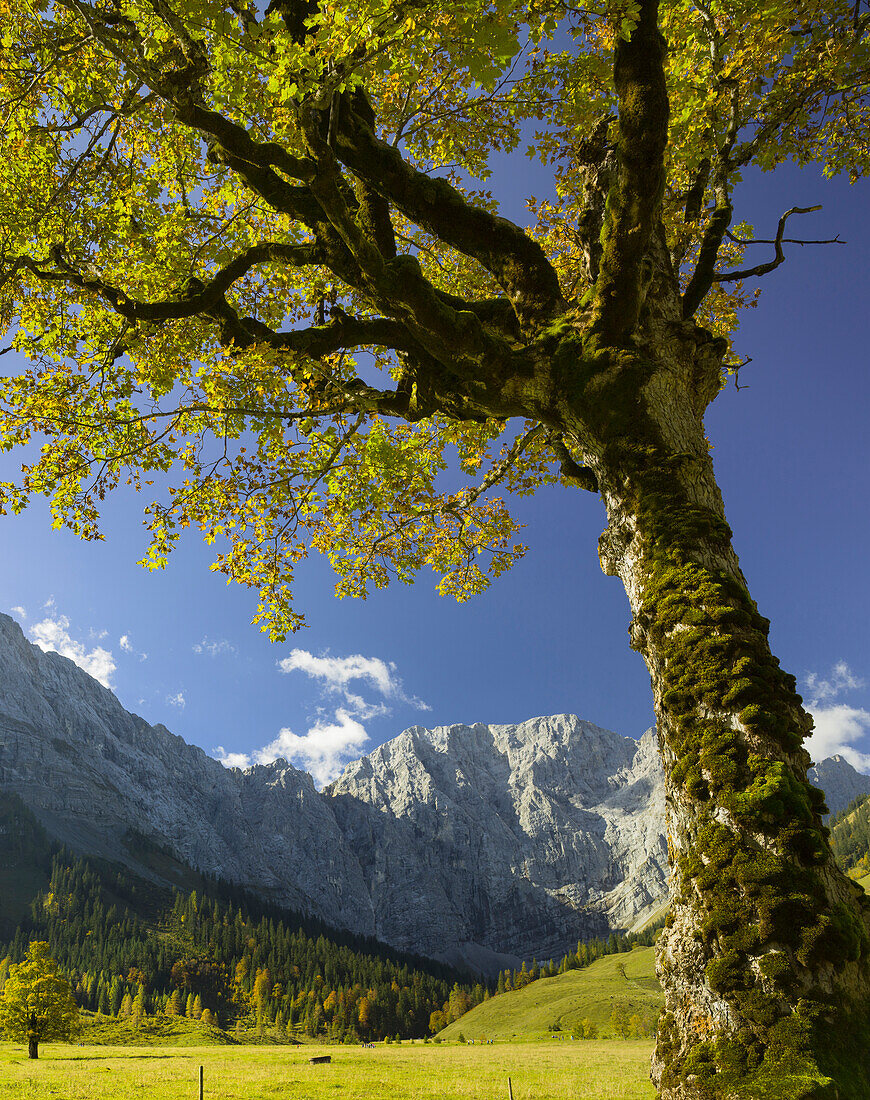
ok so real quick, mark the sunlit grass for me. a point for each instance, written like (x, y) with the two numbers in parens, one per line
(608, 1070)
(626, 979)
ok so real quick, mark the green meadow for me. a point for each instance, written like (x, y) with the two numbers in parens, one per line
(627, 981)
(593, 1070)
(160, 1059)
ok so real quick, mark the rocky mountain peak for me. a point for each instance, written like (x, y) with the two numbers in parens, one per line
(475, 843)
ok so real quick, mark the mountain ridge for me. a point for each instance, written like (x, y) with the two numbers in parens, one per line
(478, 844)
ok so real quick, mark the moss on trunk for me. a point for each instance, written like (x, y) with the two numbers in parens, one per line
(764, 959)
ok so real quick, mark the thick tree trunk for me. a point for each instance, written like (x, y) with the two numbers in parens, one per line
(32, 1048)
(764, 956)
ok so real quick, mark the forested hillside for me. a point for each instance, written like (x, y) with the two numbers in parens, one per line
(135, 951)
(850, 837)
(131, 949)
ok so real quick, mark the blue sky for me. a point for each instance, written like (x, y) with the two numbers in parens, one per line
(791, 453)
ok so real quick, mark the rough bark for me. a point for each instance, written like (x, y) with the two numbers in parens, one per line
(763, 959)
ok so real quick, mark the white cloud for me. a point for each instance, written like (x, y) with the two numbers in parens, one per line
(333, 740)
(840, 680)
(232, 759)
(336, 673)
(838, 727)
(177, 700)
(215, 648)
(323, 751)
(52, 635)
(20, 612)
(128, 647)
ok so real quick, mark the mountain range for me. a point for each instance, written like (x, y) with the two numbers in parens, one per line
(476, 844)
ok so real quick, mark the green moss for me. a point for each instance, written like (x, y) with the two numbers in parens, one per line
(732, 722)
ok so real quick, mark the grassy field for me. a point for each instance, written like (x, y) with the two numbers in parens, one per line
(538, 1071)
(627, 980)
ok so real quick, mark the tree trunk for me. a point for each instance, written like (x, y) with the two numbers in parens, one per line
(32, 1047)
(764, 956)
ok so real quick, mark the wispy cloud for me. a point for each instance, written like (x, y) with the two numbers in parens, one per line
(232, 759)
(838, 726)
(128, 647)
(333, 739)
(215, 647)
(336, 673)
(837, 729)
(19, 612)
(177, 700)
(839, 680)
(322, 751)
(53, 635)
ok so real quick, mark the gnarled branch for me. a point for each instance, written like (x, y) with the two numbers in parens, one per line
(779, 257)
(516, 261)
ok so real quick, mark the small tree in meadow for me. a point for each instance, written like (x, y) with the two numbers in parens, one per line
(37, 1003)
(587, 1029)
(620, 1022)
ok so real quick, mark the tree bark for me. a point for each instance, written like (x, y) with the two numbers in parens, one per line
(764, 956)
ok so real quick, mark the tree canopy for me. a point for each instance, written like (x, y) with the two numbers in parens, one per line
(247, 257)
(37, 1004)
(250, 257)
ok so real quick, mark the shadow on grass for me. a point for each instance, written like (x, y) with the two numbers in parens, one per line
(106, 1057)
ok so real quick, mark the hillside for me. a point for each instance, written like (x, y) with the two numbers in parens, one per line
(136, 952)
(626, 980)
(25, 862)
(850, 837)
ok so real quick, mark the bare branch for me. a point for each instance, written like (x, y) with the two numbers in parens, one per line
(785, 240)
(763, 269)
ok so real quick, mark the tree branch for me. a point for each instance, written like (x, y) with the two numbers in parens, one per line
(201, 297)
(516, 261)
(634, 198)
(763, 269)
(703, 275)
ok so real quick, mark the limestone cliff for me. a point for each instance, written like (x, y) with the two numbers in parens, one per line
(481, 843)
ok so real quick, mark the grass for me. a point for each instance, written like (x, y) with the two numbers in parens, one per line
(627, 980)
(589, 1070)
(175, 1031)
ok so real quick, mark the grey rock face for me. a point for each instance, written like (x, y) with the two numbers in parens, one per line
(840, 782)
(90, 770)
(479, 844)
(521, 839)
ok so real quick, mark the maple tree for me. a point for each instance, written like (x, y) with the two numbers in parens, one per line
(37, 1003)
(244, 254)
